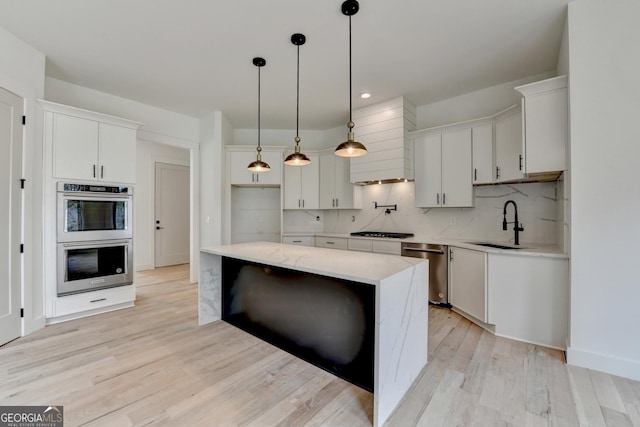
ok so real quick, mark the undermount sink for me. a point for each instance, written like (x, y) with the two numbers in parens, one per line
(495, 245)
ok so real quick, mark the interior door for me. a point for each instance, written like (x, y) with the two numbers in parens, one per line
(11, 111)
(172, 213)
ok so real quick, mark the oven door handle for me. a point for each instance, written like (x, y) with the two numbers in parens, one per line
(96, 245)
(103, 196)
(429, 251)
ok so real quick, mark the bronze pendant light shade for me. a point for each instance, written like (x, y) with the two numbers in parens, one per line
(297, 158)
(259, 165)
(350, 148)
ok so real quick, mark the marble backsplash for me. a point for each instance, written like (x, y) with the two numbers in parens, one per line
(538, 211)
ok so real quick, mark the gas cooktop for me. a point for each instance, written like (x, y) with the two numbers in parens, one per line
(384, 234)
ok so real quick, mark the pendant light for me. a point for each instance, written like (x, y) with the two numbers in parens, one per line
(297, 158)
(350, 148)
(259, 165)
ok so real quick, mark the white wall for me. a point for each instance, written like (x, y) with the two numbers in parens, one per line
(473, 105)
(309, 139)
(22, 72)
(147, 154)
(604, 65)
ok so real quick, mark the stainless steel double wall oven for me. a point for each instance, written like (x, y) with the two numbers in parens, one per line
(95, 237)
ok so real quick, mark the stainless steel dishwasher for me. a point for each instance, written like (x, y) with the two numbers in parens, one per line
(438, 269)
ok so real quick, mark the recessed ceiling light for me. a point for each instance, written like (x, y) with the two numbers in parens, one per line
(365, 95)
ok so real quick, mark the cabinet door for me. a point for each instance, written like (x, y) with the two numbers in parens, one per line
(310, 183)
(457, 188)
(117, 154)
(428, 170)
(240, 175)
(482, 148)
(467, 282)
(509, 148)
(75, 148)
(327, 181)
(344, 188)
(292, 186)
(546, 131)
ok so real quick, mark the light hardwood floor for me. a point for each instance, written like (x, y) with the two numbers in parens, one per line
(152, 365)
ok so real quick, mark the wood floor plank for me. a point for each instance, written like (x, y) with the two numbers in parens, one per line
(152, 365)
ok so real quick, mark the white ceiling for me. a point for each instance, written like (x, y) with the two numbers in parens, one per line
(195, 56)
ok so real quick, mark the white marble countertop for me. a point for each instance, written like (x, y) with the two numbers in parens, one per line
(526, 249)
(364, 267)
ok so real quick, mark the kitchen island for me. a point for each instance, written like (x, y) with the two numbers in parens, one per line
(380, 302)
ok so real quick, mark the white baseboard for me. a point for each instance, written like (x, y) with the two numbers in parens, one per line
(142, 267)
(604, 362)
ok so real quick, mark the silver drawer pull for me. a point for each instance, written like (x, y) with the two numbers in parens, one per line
(98, 300)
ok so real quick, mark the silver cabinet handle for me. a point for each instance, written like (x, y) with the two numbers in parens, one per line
(253, 177)
(497, 173)
(450, 255)
(94, 171)
(331, 243)
(303, 203)
(257, 178)
(475, 174)
(520, 162)
(296, 241)
(298, 202)
(337, 202)
(444, 198)
(437, 198)
(98, 300)
(102, 171)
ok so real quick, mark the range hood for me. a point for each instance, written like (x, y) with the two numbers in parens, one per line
(384, 129)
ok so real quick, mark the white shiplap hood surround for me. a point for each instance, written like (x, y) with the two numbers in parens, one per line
(384, 129)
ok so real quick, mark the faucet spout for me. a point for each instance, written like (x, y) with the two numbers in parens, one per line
(517, 227)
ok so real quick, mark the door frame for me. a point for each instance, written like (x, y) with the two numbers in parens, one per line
(152, 203)
(17, 210)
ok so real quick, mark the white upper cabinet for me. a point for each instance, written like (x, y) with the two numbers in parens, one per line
(545, 125)
(89, 146)
(443, 169)
(240, 157)
(336, 190)
(302, 185)
(483, 154)
(114, 141)
(509, 158)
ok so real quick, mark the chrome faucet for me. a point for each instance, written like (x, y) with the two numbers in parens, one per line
(517, 227)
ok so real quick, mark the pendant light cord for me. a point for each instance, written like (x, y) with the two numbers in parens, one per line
(350, 89)
(259, 106)
(298, 97)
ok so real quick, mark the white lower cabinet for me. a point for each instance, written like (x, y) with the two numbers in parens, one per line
(525, 298)
(299, 240)
(79, 305)
(528, 298)
(468, 282)
(332, 242)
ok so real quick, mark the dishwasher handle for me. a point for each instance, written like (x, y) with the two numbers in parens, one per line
(429, 251)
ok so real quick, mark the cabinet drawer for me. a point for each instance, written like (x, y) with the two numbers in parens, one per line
(360, 245)
(91, 300)
(298, 240)
(385, 247)
(332, 242)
